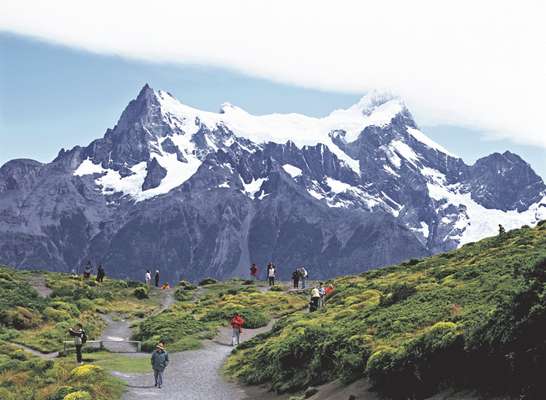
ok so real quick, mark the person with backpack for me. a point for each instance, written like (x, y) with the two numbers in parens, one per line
(271, 274)
(80, 337)
(254, 272)
(296, 279)
(160, 361)
(315, 299)
(156, 277)
(237, 323)
(100, 273)
(303, 276)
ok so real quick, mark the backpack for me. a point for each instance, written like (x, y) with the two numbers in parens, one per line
(83, 337)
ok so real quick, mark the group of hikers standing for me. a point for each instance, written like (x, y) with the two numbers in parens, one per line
(88, 270)
(148, 278)
(298, 276)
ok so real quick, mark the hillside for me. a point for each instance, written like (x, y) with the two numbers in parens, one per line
(472, 318)
(37, 309)
(197, 193)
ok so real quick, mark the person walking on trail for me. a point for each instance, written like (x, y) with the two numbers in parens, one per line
(100, 273)
(87, 270)
(148, 278)
(80, 338)
(271, 274)
(315, 299)
(156, 277)
(303, 276)
(237, 323)
(254, 272)
(160, 361)
(296, 279)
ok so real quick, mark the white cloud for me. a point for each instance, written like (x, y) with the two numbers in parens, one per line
(474, 63)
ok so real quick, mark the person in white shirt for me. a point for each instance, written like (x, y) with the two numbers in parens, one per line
(148, 278)
(271, 274)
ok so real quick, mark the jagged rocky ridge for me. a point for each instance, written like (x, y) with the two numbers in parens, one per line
(199, 194)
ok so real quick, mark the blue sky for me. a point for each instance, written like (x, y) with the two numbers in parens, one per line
(53, 97)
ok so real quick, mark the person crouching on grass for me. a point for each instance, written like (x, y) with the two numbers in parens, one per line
(160, 360)
(237, 323)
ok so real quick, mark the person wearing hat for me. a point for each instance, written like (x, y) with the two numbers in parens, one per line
(160, 360)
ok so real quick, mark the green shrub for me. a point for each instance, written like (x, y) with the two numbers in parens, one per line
(397, 293)
(208, 281)
(53, 314)
(141, 293)
(186, 285)
(182, 294)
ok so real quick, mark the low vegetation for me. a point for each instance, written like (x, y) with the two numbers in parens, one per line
(198, 316)
(42, 323)
(474, 317)
(23, 376)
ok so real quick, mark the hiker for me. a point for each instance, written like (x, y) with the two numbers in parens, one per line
(322, 292)
(100, 273)
(328, 290)
(156, 277)
(237, 323)
(296, 279)
(254, 272)
(148, 278)
(271, 274)
(303, 276)
(502, 231)
(315, 298)
(160, 360)
(80, 338)
(165, 286)
(87, 270)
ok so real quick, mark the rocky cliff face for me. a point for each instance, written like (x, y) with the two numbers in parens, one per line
(197, 194)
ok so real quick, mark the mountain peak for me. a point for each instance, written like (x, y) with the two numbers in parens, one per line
(146, 92)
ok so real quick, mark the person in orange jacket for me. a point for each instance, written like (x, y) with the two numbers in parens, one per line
(237, 323)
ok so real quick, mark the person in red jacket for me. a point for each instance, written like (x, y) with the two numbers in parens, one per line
(237, 323)
(254, 272)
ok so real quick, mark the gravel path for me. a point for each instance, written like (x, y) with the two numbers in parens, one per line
(195, 374)
(116, 332)
(191, 375)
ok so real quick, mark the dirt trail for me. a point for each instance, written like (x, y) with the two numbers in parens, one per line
(45, 356)
(38, 282)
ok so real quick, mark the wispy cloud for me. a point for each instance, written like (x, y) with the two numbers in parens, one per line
(477, 64)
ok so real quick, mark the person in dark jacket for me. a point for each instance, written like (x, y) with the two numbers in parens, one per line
(156, 278)
(100, 273)
(160, 360)
(79, 340)
(296, 279)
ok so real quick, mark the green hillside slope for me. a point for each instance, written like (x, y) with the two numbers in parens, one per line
(474, 317)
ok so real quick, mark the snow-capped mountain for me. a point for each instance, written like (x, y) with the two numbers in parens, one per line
(198, 193)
